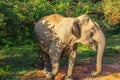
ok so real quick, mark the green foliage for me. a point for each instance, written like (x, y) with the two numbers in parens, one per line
(18, 60)
(111, 10)
(17, 18)
(14, 29)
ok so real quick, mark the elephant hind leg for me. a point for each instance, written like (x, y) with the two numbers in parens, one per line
(47, 63)
(43, 61)
(39, 63)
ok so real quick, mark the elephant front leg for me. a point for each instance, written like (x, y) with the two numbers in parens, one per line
(72, 58)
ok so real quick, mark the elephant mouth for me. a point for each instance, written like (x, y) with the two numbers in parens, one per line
(87, 42)
(91, 43)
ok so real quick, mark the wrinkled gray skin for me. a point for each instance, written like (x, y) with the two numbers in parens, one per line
(58, 35)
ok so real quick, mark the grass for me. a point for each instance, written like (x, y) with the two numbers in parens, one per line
(15, 61)
(18, 60)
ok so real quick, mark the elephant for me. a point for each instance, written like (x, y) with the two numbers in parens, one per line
(59, 36)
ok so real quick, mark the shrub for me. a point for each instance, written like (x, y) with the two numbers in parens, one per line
(18, 17)
(111, 10)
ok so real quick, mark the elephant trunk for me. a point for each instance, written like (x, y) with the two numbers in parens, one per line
(100, 38)
(101, 48)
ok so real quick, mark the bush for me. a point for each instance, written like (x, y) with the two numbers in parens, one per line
(18, 17)
(111, 10)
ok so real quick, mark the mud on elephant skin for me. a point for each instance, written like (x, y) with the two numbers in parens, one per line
(58, 35)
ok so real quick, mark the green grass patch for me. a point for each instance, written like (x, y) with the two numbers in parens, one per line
(15, 61)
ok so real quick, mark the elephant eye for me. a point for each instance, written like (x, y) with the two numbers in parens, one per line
(91, 34)
(92, 30)
(87, 19)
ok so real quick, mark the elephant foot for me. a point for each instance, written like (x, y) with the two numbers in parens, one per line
(68, 78)
(49, 76)
(95, 73)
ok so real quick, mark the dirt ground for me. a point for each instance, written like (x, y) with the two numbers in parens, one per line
(110, 72)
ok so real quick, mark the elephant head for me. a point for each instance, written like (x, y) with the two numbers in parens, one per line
(90, 34)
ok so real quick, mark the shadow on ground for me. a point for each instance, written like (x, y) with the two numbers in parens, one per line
(110, 72)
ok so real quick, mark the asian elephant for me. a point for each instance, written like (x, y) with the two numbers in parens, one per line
(58, 35)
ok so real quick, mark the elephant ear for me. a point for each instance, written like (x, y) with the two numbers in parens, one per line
(75, 30)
